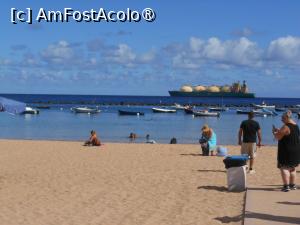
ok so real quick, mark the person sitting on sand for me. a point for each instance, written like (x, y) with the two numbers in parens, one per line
(208, 141)
(149, 141)
(93, 141)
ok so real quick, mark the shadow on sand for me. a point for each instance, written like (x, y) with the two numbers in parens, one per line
(191, 154)
(264, 188)
(215, 188)
(289, 203)
(230, 219)
(275, 218)
(216, 171)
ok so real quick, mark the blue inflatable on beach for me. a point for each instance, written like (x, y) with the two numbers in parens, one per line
(221, 151)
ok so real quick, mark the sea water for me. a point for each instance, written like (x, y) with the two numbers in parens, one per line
(59, 123)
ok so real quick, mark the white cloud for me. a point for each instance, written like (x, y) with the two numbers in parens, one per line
(196, 44)
(123, 54)
(191, 58)
(285, 49)
(241, 52)
(147, 57)
(59, 53)
(180, 61)
(214, 49)
(233, 52)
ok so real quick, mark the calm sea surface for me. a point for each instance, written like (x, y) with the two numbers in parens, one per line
(59, 123)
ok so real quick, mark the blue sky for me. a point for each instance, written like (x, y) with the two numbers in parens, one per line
(190, 42)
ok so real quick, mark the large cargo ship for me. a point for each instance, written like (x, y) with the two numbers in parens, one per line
(236, 90)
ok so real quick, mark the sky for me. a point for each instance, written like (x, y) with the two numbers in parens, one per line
(209, 42)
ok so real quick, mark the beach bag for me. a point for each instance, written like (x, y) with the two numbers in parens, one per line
(173, 141)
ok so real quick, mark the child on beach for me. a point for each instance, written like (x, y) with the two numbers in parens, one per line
(93, 141)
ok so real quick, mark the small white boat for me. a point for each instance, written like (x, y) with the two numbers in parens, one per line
(29, 110)
(163, 110)
(85, 110)
(206, 113)
(264, 106)
(218, 109)
(178, 106)
(259, 112)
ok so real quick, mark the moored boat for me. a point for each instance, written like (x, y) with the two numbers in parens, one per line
(29, 110)
(178, 106)
(260, 112)
(130, 113)
(206, 113)
(218, 109)
(163, 110)
(84, 110)
(188, 110)
(264, 106)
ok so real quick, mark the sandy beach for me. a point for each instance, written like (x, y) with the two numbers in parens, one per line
(57, 182)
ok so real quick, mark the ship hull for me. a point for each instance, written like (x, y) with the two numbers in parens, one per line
(211, 94)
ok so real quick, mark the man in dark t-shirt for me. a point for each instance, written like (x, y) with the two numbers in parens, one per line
(249, 130)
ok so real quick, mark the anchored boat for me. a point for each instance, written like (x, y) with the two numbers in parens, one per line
(130, 113)
(163, 110)
(84, 110)
(206, 113)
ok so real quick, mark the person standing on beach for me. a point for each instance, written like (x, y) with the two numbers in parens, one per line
(250, 131)
(288, 156)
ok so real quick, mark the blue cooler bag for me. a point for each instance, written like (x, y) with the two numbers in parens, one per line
(235, 161)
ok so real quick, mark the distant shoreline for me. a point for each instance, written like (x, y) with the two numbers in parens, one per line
(127, 95)
(55, 99)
